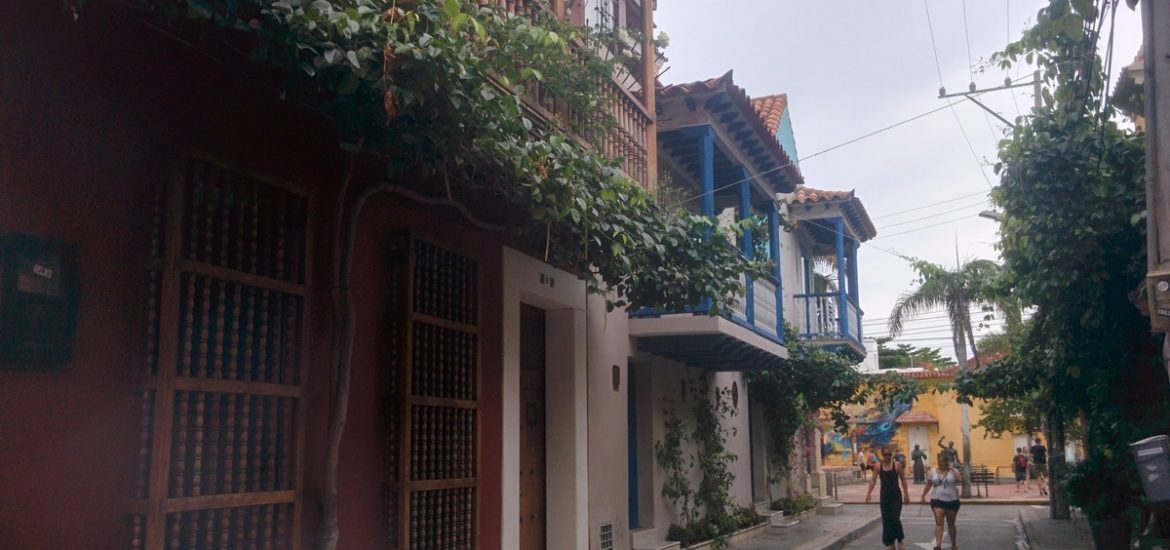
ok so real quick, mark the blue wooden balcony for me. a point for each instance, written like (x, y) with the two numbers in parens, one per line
(830, 319)
(748, 337)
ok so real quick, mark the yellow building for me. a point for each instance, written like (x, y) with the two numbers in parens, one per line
(933, 416)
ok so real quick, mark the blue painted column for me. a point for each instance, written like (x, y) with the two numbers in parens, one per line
(853, 283)
(842, 292)
(774, 245)
(807, 264)
(707, 184)
(707, 170)
(745, 212)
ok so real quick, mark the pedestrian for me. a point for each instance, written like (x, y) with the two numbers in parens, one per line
(1039, 468)
(1020, 468)
(943, 486)
(918, 456)
(893, 494)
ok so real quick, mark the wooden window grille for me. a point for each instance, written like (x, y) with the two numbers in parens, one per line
(431, 416)
(222, 412)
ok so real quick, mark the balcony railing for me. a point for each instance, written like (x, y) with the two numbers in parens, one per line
(627, 138)
(756, 310)
(819, 317)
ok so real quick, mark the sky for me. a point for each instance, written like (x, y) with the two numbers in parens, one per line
(851, 67)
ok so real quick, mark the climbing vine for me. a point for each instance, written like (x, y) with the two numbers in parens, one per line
(434, 88)
(814, 379)
(706, 511)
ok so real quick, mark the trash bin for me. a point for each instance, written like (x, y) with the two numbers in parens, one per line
(1153, 463)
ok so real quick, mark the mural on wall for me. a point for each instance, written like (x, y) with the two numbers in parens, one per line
(837, 444)
(876, 426)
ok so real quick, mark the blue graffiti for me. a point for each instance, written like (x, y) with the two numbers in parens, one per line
(882, 429)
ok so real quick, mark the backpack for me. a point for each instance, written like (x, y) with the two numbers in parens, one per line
(1021, 462)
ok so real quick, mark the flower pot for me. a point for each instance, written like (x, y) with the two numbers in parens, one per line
(1110, 533)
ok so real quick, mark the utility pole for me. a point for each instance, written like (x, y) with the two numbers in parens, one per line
(965, 422)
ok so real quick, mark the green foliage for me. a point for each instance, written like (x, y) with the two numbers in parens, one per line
(794, 505)
(712, 407)
(813, 379)
(671, 458)
(809, 380)
(1071, 192)
(906, 356)
(433, 88)
(1104, 485)
(955, 291)
(707, 511)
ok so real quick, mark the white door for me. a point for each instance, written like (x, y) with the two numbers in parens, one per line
(919, 436)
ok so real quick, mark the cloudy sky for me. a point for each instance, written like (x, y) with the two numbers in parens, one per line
(851, 67)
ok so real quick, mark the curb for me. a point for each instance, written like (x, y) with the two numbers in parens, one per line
(851, 535)
(1026, 538)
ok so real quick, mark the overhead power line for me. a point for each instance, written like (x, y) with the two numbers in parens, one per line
(979, 204)
(814, 155)
(915, 209)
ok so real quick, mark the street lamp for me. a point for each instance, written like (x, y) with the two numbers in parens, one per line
(991, 215)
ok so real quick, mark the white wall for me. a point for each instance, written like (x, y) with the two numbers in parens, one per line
(608, 346)
(562, 296)
(666, 378)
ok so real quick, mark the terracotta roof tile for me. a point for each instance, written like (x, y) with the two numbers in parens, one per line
(742, 101)
(771, 109)
(851, 205)
(916, 417)
(805, 194)
(940, 373)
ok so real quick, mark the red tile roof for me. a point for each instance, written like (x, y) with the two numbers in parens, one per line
(743, 102)
(916, 417)
(941, 373)
(771, 109)
(806, 194)
(850, 203)
(984, 359)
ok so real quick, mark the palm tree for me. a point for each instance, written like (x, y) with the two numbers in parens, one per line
(955, 292)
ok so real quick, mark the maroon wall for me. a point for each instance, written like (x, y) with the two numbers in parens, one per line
(89, 114)
(361, 450)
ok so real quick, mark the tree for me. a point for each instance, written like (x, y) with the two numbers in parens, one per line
(954, 291)
(1072, 195)
(906, 356)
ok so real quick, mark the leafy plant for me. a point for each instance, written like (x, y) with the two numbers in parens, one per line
(434, 90)
(669, 455)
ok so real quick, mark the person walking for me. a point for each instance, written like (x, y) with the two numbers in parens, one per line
(1020, 468)
(1039, 468)
(943, 486)
(893, 494)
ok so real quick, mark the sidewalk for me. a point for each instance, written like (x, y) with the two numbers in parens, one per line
(1055, 534)
(996, 493)
(817, 532)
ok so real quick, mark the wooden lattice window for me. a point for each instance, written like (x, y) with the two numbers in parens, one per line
(222, 414)
(431, 416)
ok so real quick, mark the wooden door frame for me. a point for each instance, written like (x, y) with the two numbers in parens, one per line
(563, 297)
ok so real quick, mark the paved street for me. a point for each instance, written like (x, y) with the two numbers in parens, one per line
(981, 527)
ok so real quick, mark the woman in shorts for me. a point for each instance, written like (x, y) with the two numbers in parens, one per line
(943, 486)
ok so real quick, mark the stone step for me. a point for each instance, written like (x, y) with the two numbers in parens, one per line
(658, 545)
(829, 509)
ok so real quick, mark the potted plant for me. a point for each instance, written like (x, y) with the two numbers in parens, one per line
(1104, 490)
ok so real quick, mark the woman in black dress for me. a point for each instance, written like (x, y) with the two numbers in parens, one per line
(894, 494)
